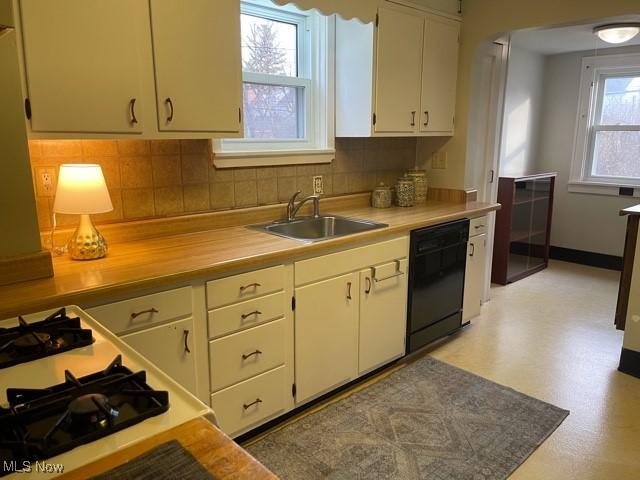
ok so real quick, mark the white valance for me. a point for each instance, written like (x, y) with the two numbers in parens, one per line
(363, 10)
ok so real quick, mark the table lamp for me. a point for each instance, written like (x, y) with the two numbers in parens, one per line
(83, 191)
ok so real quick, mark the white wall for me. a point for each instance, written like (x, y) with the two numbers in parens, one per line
(580, 221)
(522, 112)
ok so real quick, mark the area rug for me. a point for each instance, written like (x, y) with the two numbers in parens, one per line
(428, 420)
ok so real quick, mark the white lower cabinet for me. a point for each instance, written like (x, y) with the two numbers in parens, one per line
(326, 335)
(169, 347)
(474, 276)
(383, 314)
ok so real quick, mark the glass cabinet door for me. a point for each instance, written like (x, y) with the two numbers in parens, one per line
(519, 240)
(539, 221)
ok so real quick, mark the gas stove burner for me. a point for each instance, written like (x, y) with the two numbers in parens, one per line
(42, 423)
(33, 340)
(30, 341)
(92, 408)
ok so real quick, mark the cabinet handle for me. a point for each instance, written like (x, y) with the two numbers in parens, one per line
(473, 249)
(170, 103)
(367, 290)
(132, 111)
(251, 285)
(249, 355)
(348, 290)
(186, 339)
(134, 315)
(413, 118)
(246, 406)
(397, 274)
(244, 316)
(426, 118)
(479, 226)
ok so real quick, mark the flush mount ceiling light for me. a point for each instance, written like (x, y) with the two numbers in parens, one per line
(617, 32)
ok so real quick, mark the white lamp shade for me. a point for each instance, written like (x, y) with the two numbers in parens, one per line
(81, 190)
(617, 33)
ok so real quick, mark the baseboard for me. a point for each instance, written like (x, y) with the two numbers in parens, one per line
(600, 260)
(630, 362)
(25, 267)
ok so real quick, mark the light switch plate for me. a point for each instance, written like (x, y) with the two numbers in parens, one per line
(439, 160)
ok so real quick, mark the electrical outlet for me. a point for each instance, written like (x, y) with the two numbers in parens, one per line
(45, 181)
(439, 160)
(318, 185)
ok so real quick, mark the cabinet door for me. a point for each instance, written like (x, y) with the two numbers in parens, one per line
(82, 68)
(383, 315)
(474, 277)
(439, 74)
(326, 335)
(398, 64)
(169, 348)
(196, 47)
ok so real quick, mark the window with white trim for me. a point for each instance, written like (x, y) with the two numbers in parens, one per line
(607, 147)
(287, 83)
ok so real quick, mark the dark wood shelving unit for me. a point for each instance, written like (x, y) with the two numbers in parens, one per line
(523, 226)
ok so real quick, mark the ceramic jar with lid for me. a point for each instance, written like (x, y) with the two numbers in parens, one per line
(405, 192)
(420, 179)
(381, 196)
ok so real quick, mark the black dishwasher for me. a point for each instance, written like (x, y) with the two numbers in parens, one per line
(436, 282)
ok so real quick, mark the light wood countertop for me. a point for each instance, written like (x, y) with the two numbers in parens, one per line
(222, 457)
(166, 261)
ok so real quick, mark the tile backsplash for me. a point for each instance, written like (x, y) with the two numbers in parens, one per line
(148, 179)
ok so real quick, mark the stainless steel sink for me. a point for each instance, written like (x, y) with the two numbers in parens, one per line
(315, 229)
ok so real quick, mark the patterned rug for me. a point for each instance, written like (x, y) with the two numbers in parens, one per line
(429, 420)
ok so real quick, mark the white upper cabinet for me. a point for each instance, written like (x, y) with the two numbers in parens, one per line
(156, 68)
(82, 65)
(398, 61)
(198, 72)
(397, 78)
(439, 74)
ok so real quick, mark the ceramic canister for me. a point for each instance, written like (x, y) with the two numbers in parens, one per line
(420, 179)
(381, 196)
(405, 192)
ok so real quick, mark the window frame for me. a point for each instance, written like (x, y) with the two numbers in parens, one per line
(315, 74)
(595, 71)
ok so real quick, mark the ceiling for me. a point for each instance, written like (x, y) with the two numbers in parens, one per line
(574, 38)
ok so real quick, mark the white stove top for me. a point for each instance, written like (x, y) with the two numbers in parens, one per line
(49, 371)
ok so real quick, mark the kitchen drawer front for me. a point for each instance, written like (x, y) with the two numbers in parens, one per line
(478, 226)
(240, 316)
(250, 402)
(143, 312)
(244, 286)
(234, 358)
(334, 264)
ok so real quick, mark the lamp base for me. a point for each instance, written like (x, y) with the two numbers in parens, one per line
(87, 243)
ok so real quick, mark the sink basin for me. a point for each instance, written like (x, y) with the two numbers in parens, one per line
(314, 229)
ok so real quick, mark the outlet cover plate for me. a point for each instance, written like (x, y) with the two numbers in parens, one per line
(318, 185)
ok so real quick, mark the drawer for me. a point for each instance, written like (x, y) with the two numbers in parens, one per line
(233, 318)
(250, 402)
(478, 226)
(245, 286)
(234, 358)
(339, 263)
(142, 312)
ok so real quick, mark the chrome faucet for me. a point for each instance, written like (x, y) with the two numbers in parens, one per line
(292, 208)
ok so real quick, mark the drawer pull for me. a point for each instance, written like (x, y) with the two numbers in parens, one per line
(397, 274)
(251, 285)
(134, 315)
(246, 406)
(479, 226)
(244, 316)
(249, 355)
(186, 341)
